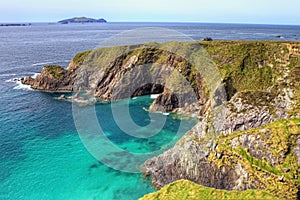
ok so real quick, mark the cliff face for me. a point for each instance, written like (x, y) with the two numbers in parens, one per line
(219, 152)
(241, 142)
(122, 72)
(266, 158)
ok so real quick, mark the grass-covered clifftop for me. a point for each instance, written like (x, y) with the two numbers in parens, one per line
(187, 190)
(244, 65)
(56, 72)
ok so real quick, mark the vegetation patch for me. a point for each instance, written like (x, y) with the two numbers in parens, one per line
(184, 189)
(55, 71)
(279, 139)
(80, 57)
(250, 65)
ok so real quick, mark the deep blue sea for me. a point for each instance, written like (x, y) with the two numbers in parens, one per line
(41, 154)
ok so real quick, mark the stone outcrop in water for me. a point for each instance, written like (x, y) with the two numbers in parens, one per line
(52, 78)
(248, 137)
(165, 102)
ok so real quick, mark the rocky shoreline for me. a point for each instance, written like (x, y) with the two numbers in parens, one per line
(249, 134)
(110, 82)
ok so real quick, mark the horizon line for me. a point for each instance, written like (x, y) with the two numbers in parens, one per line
(191, 22)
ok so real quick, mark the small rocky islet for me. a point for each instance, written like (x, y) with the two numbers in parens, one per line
(246, 140)
(82, 20)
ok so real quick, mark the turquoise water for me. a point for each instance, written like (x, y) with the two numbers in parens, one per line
(62, 169)
(47, 160)
(42, 155)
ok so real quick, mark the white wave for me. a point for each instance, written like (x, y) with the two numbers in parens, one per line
(134, 98)
(42, 63)
(21, 86)
(166, 114)
(18, 79)
(154, 96)
(13, 80)
(7, 75)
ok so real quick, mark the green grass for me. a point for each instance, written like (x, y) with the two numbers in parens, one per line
(187, 190)
(55, 71)
(250, 64)
(259, 163)
(278, 140)
(80, 57)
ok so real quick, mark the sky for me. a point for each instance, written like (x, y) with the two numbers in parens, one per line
(210, 11)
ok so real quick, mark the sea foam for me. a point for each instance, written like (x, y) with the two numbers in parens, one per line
(20, 85)
(154, 96)
(42, 63)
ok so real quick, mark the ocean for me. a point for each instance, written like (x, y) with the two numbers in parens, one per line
(42, 155)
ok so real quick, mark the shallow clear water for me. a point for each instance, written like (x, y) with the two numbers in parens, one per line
(41, 154)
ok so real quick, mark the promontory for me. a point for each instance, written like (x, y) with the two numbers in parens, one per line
(245, 93)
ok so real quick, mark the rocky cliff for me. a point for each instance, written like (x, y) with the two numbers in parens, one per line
(249, 134)
(116, 73)
(52, 78)
(226, 150)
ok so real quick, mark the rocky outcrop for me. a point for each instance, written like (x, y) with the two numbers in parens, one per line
(205, 157)
(52, 78)
(256, 159)
(165, 102)
(189, 160)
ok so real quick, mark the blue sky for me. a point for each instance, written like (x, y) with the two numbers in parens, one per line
(217, 11)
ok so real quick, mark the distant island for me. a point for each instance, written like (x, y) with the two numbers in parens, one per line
(82, 20)
(15, 24)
